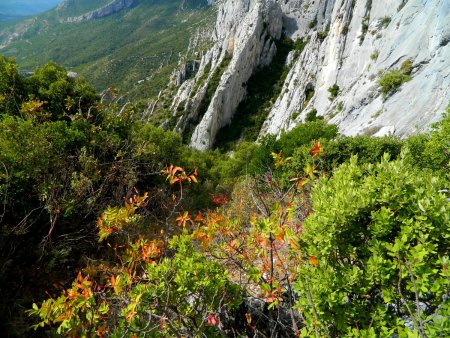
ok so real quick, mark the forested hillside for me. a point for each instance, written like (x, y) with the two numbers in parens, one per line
(113, 227)
(133, 48)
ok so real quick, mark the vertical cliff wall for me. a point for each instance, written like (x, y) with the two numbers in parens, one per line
(351, 45)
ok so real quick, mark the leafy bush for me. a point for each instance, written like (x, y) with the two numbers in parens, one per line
(389, 82)
(433, 151)
(377, 244)
(322, 35)
(334, 91)
(406, 67)
(385, 21)
(311, 116)
(374, 55)
(304, 134)
(183, 293)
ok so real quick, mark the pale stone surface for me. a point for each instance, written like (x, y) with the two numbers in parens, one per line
(419, 31)
(350, 56)
(244, 34)
(109, 9)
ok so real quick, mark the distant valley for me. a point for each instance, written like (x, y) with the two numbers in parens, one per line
(16, 9)
(133, 45)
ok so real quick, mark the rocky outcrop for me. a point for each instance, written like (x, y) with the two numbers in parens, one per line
(351, 43)
(365, 39)
(107, 10)
(244, 33)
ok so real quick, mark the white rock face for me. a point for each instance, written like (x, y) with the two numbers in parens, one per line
(364, 39)
(244, 33)
(109, 9)
(419, 30)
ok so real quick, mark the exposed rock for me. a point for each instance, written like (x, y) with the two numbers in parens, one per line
(244, 33)
(350, 44)
(353, 60)
(107, 10)
(72, 75)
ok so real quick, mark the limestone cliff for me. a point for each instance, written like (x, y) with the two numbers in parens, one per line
(351, 44)
(244, 33)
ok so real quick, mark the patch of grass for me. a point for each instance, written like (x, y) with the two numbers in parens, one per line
(374, 55)
(377, 113)
(385, 21)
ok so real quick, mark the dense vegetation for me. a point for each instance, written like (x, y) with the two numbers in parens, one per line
(311, 234)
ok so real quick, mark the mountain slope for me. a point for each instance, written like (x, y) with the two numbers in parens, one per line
(124, 43)
(373, 68)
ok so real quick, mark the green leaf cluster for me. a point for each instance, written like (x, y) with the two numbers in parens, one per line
(381, 236)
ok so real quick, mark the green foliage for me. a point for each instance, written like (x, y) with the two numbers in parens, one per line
(304, 134)
(334, 91)
(312, 116)
(176, 296)
(379, 235)
(433, 151)
(374, 55)
(406, 66)
(386, 21)
(323, 34)
(391, 81)
(60, 94)
(313, 23)
(11, 86)
(364, 27)
(373, 236)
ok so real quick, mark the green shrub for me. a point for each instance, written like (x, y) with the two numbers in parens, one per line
(322, 35)
(433, 151)
(391, 81)
(406, 67)
(386, 21)
(334, 91)
(309, 94)
(304, 133)
(379, 241)
(312, 116)
(313, 23)
(374, 55)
